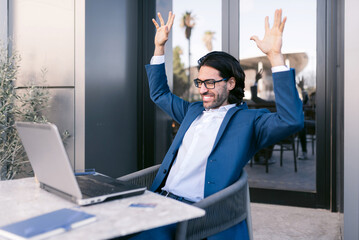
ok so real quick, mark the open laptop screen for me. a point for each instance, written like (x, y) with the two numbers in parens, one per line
(48, 157)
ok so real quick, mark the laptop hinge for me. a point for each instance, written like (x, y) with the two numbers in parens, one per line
(58, 192)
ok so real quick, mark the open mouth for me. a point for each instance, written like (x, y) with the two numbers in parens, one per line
(207, 98)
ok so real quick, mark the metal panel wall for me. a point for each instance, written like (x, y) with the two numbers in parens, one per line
(3, 21)
(95, 76)
(163, 131)
(43, 34)
(60, 100)
(61, 113)
(111, 86)
(351, 119)
(230, 27)
(80, 36)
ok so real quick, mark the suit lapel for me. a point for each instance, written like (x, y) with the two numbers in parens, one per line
(225, 122)
(194, 114)
(186, 124)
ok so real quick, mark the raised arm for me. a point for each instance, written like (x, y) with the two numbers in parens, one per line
(271, 44)
(159, 90)
(288, 119)
(162, 33)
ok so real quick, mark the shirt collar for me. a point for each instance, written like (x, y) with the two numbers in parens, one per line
(222, 108)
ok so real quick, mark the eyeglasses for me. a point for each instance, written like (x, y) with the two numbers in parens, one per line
(209, 83)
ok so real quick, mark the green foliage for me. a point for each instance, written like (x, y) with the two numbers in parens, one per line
(11, 153)
(35, 100)
(179, 74)
(13, 106)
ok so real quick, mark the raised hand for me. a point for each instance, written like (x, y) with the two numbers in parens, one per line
(271, 44)
(259, 75)
(162, 32)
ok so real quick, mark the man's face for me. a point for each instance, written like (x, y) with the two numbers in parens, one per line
(217, 97)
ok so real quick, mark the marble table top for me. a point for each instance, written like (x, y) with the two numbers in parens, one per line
(23, 198)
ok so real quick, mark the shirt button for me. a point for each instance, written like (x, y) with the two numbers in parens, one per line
(164, 171)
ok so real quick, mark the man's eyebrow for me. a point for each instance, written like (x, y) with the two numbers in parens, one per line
(206, 79)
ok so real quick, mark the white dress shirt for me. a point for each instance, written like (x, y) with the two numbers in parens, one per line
(186, 178)
(187, 174)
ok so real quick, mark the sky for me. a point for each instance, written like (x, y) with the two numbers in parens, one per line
(208, 15)
(299, 32)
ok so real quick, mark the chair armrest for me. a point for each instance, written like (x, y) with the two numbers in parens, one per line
(143, 177)
(224, 209)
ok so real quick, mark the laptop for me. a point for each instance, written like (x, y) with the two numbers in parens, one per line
(50, 162)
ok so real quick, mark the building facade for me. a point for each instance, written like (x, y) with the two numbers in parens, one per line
(95, 51)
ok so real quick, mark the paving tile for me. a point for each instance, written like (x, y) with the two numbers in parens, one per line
(274, 222)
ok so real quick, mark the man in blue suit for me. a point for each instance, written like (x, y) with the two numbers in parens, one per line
(220, 134)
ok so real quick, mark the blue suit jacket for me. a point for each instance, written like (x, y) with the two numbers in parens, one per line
(242, 133)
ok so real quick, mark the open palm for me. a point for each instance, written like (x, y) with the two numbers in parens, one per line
(163, 31)
(271, 44)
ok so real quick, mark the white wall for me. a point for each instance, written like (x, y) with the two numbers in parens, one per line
(351, 121)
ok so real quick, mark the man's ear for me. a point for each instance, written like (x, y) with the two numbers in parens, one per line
(231, 83)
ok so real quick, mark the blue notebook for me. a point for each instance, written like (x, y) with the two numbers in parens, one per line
(46, 225)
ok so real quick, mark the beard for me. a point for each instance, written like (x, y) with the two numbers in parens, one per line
(213, 100)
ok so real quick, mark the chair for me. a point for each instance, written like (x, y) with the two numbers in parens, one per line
(309, 125)
(310, 136)
(266, 153)
(224, 209)
(287, 144)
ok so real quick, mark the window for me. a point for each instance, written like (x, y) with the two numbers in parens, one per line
(299, 49)
(196, 31)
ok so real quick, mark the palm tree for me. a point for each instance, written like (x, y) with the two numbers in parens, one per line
(207, 39)
(179, 73)
(188, 23)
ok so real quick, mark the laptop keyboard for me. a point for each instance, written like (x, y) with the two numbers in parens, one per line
(97, 185)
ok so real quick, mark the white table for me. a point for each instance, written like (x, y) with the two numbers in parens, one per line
(22, 199)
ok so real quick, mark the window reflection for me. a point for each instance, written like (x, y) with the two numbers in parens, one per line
(196, 31)
(291, 163)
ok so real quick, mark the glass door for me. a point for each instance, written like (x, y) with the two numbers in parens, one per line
(289, 164)
(197, 30)
(286, 172)
(297, 168)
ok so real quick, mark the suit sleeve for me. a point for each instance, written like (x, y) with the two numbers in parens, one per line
(288, 119)
(161, 94)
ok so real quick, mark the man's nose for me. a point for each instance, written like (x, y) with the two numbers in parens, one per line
(203, 89)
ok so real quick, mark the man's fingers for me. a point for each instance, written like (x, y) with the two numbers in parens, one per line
(266, 24)
(278, 22)
(277, 17)
(155, 23)
(170, 20)
(281, 27)
(161, 19)
(254, 38)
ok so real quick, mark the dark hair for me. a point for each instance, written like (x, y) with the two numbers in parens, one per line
(228, 67)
